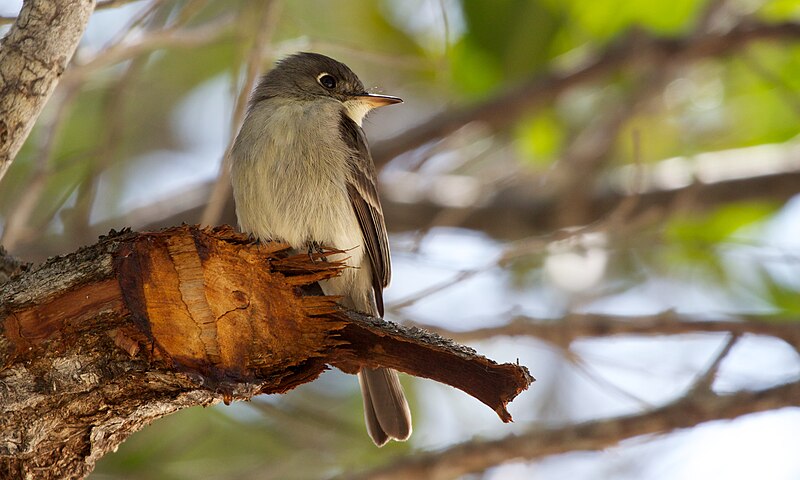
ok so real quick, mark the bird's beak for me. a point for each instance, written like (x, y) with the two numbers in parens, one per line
(359, 105)
(375, 101)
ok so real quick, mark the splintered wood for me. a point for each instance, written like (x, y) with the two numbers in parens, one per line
(230, 309)
(212, 302)
(217, 305)
(96, 344)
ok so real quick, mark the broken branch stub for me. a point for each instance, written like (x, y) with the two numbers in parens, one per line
(240, 318)
(214, 303)
(107, 339)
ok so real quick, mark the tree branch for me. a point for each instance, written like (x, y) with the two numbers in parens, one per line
(635, 48)
(477, 456)
(519, 210)
(101, 342)
(101, 5)
(767, 172)
(514, 212)
(263, 28)
(33, 55)
(574, 326)
(174, 38)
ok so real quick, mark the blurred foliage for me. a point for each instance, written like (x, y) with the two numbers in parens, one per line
(604, 20)
(438, 55)
(694, 241)
(268, 438)
(539, 138)
(698, 234)
(714, 104)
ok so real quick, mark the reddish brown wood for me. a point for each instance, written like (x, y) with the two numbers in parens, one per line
(98, 343)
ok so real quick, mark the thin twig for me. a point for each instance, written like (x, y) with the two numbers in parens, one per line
(426, 292)
(704, 381)
(445, 29)
(142, 16)
(583, 367)
(475, 456)
(638, 47)
(17, 226)
(264, 29)
(77, 219)
(585, 158)
(575, 326)
(170, 38)
(366, 53)
(103, 4)
(709, 16)
(787, 91)
(524, 248)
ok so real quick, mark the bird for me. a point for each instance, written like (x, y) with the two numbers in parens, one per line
(302, 173)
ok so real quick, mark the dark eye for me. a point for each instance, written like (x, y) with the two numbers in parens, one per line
(327, 80)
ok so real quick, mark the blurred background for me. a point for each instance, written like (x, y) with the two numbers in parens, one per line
(603, 191)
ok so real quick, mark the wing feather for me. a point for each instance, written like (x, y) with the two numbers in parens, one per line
(367, 206)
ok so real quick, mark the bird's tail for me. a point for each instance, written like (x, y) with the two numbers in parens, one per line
(385, 408)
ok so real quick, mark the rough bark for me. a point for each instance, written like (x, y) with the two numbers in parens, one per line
(33, 55)
(101, 342)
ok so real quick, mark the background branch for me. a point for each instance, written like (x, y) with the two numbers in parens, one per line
(263, 26)
(636, 48)
(577, 326)
(479, 455)
(33, 55)
(101, 5)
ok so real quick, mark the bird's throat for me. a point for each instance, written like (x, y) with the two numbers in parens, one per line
(356, 109)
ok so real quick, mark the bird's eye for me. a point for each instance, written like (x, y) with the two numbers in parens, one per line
(327, 80)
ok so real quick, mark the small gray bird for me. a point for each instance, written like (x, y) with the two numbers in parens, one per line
(302, 173)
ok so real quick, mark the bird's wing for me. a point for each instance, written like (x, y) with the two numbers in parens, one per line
(367, 206)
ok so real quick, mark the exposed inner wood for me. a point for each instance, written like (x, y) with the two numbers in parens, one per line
(99, 343)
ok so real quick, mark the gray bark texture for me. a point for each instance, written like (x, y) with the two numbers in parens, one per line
(33, 55)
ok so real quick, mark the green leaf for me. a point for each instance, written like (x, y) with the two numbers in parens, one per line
(475, 73)
(605, 19)
(517, 33)
(720, 225)
(539, 138)
(692, 241)
(785, 300)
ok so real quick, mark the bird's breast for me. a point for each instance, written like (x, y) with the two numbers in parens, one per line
(289, 175)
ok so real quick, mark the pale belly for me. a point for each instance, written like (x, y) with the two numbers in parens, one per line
(296, 192)
(299, 207)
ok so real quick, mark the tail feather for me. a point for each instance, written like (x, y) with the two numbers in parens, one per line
(371, 419)
(386, 410)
